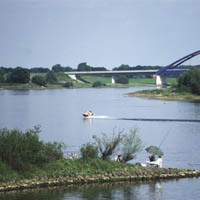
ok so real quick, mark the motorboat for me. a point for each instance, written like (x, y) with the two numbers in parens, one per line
(88, 114)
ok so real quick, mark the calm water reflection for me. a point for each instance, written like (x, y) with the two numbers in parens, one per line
(164, 190)
(59, 114)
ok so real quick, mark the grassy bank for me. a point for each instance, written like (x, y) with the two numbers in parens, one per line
(68, 172)
(133, 82)
(63, 78)
(170, 94)
(27, 162)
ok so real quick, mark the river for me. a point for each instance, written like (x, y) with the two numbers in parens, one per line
(58, 112)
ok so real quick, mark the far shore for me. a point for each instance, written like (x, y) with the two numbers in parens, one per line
(166, 94)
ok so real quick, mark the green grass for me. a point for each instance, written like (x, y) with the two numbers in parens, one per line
(132, 81)
(37, 74)
(167, 94)
(93, 79)
(62, 167)
(141, 81)
(19, 86)
(7, 174)
(63, 78)
(65, 167)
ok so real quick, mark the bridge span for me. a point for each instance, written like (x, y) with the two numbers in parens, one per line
(160, 75)
(73, 75)
(112, 73)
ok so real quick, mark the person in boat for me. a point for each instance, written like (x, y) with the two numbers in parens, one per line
(90, 112)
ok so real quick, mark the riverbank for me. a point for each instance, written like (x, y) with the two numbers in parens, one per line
(30, 86)
(63, 80)
(167, 94)
(135, 175)
(68, 172)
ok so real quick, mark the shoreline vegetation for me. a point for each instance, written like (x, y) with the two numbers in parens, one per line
(63, 81)
(124, 172)
(27, 162)
(185, 87)
(167, 94)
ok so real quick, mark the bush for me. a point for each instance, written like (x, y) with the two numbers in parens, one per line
(21, 151)
(98, 84)
(51, 77)
(131, 145)
(2, 76)
(190, 81)
(122, 79)
(19, 75)
(108, 145)
(68, 84)
(127, 144)
(89, 151)
(39, 80)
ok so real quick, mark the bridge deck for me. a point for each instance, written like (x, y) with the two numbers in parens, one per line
(114, 72)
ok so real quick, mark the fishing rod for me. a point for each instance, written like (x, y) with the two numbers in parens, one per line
(164, 138)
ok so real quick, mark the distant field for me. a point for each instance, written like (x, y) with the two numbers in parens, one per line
(132, 81)
(92, 79)
(62, 78)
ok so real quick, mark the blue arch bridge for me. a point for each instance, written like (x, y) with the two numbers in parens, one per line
(160, 75)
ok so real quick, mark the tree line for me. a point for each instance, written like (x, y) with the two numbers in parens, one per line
(189, 81)
(85, 67)
(22, 75)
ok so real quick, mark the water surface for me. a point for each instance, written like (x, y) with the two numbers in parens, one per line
(59, 114)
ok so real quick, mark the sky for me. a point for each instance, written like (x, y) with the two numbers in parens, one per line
(103, 33)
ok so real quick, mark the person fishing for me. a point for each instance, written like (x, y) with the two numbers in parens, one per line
(152, 158)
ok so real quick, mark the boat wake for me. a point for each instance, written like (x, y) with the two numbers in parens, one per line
(142, 119)
(161, 120)
(100, 117)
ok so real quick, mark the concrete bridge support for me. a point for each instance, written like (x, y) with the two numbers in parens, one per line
(72, 76)
(161, 80)
(113, 79)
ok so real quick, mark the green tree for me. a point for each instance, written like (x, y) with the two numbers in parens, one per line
(68, 84)
(190, 81)
(39, 70)
(51, 77)
(57, 68)
(2, 76)
(23, 150)
(84, 67)
(39, 80)
(89, 151)
(122, 67)
(98, 84)
(108, 145)
(122, 79)
(19, 75)
(68, 69)
(132, 144)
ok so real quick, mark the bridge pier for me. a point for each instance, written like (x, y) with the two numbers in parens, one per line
(161, 80)
(72, 76)
(113, 79)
